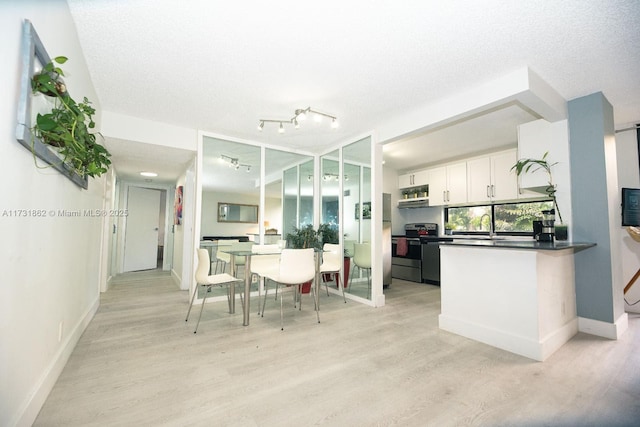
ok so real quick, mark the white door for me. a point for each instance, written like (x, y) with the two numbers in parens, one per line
(141, 237)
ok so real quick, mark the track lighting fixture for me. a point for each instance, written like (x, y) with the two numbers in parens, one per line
(234, 163)
(299, 116)
(333, 176)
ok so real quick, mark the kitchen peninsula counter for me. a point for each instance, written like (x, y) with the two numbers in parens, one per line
(520, 244)
(516, 295)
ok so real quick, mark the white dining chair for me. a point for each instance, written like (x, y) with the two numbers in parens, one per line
(332, 261)
(265, 261)
(223, 258)
(362, 260)
(297, 266)
(206, 280)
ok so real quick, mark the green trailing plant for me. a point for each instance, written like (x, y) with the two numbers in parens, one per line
(69, 123)
(533, 165)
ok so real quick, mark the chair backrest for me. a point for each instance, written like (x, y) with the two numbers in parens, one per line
(241, 246)
(265, 249)
(204, 264)
(222, 246)
(297, 266)
(362, 255)
(331, 257)
(263, 264)
(348, 246)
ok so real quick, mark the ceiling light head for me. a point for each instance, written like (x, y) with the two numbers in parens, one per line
(248, 169)
(150, 174)
(281, 129)
(334, 123)
(317, 118)
(296, 124)
(261, 126)
(300, 114)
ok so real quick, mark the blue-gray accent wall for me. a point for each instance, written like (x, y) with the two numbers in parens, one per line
(590, 122)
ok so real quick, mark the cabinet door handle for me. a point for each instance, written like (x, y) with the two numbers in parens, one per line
(488, 191)
(444, 195)
(493, 190)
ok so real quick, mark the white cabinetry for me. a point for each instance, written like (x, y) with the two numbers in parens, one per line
(490, 178)
(448, 184)
(414, 179)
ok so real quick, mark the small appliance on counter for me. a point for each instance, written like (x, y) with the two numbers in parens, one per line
(547, 231)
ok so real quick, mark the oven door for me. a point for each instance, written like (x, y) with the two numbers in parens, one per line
(407, 266)
(414, 249)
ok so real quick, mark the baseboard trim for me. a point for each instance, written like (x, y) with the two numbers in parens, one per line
(608, 330)
(176, 278)
(28, 413)
(534, 349)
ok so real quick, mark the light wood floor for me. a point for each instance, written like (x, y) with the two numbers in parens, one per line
(139, 364)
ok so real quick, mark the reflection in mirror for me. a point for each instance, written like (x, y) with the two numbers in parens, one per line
(356, 199)
(284, 171)
(329, 189)
(230, 175)
(233, 212)
(306, 194)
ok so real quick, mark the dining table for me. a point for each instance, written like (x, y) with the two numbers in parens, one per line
(247, 278)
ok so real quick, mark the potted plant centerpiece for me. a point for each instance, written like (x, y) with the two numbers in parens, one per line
(533, 165)
(68, 125)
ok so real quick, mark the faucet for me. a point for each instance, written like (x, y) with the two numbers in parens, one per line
(491, 233)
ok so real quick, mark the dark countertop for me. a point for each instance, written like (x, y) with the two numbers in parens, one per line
(520, 244)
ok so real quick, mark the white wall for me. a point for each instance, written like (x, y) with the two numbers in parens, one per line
(50, 264)
(273, 212)
(628, 176)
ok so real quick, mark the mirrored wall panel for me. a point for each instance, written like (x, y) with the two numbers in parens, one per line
(356, 198)
(291, 175)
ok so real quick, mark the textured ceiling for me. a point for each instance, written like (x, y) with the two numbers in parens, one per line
(221, 66)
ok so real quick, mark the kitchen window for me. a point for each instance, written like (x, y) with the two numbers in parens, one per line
(507, 218)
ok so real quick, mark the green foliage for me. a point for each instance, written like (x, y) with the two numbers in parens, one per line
(526, 165)
(67, 126)
(302, 238)
(307, 237)
(328, 233)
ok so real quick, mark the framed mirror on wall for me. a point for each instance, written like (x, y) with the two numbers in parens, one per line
(235, 212)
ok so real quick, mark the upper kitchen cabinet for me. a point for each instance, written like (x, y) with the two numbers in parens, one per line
(490, 178)
(448, 184)
(413, 179)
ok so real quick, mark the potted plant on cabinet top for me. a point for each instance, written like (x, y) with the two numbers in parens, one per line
(67, 126)
(448, 228)
(526, 165)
